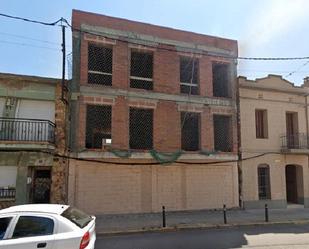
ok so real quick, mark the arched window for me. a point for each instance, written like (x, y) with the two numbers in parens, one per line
(264, 182)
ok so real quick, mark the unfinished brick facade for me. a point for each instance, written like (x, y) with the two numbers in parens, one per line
(167, 46)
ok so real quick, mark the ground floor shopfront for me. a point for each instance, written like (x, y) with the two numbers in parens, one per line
(27, 177)
(276, 179)
(101, 188)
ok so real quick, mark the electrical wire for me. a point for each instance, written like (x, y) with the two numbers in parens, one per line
(190, 91)
(29, 38)
(30, 20)
(269, 71)
(295, 71)
(29, 45)
(195, 53)
(161, 48)
(137, 163)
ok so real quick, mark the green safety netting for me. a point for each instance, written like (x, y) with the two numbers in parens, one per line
(121, 153)
(165, 158)
(161, 157)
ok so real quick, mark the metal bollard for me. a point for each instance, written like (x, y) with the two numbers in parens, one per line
(266, 213)
(224, 214)
(163, 217)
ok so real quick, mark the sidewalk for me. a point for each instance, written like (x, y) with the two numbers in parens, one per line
(126, 223)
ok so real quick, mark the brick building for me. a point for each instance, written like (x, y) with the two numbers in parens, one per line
(32, 131)
(140, 94)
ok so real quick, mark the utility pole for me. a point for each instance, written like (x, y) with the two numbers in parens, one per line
(63, 63)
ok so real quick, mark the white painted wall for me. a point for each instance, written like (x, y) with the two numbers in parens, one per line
(8, 176)
(35, 109)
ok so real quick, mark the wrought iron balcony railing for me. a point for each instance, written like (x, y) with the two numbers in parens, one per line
(32, 130)
(7, 193)
(294, 141)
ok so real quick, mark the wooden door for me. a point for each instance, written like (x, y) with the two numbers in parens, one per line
(292, 130)
(291, 184)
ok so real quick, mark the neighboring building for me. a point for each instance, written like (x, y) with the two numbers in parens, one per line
(32, 122)
(274, 130)
(140, 91)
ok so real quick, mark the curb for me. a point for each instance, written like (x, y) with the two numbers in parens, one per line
(197, 227)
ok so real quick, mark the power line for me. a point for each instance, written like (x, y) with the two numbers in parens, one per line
(269, 71)
(161, 48)
(29, 38)
(30, 20)
(274, 58)
(196, 53)
(295, 71)
(139, 163)
(29, 45)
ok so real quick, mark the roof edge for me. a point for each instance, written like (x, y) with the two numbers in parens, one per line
(33, 78)
(149, 24)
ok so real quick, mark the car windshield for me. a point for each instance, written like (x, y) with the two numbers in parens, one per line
(77, 216)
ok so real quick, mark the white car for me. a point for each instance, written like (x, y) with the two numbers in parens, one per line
(49, 226)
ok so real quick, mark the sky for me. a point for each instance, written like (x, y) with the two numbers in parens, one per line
(263, 28)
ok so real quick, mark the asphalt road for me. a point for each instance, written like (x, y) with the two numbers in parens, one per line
(270, 236)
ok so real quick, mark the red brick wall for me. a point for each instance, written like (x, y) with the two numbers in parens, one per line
(167, 127)
(205, 73)
(83, 61)
(121, 65)
(167, 133)
(207, 136)
(79, 17)
(166, 72)
(120, 124)
(81, 126)
(166, 69)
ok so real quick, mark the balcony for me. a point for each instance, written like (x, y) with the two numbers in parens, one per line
(26, 131)
(295, 143)
(7, 193)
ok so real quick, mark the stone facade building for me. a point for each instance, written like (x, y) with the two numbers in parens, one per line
(142, 95)
(32, 131)
(274, 131)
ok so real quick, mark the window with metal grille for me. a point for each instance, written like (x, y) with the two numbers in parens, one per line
(223, 133)
(261, 128)
(221, 80)
(141, 70)
(189, 75)
(100, 65)
(98, 126)
(264, 182)
(141, 129)
(190, 131)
